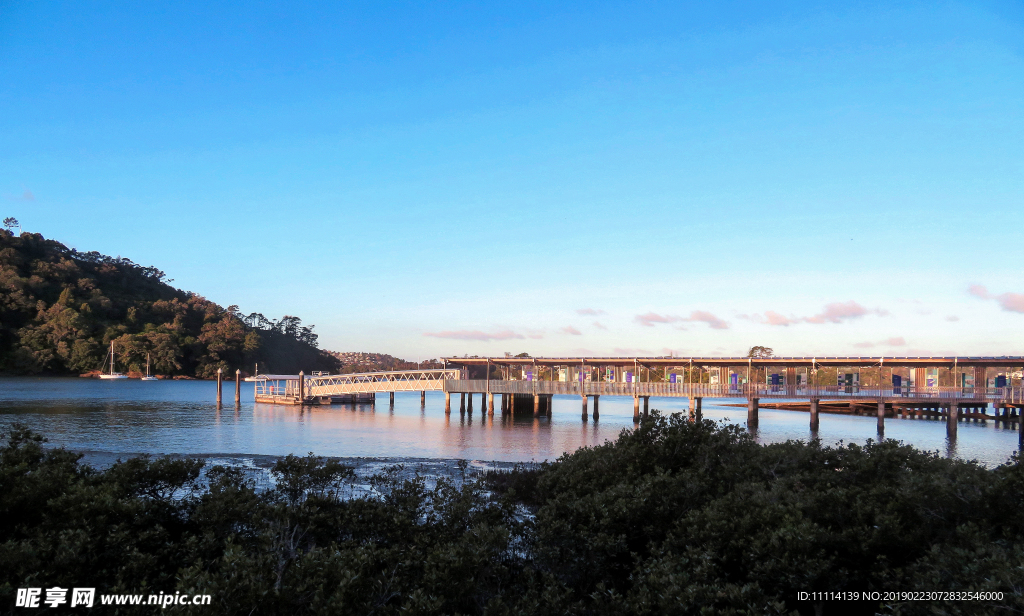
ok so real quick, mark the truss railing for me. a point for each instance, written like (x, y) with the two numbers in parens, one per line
(371, 382)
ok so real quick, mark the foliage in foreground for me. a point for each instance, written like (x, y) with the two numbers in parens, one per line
(672, 518)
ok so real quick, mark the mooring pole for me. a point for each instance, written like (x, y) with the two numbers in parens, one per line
(220, 385)
(238, 387)
(302, 387)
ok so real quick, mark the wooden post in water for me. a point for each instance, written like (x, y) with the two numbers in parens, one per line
(302, 387)
(238, 387)
(220, 385)
(447, 403)
(814, 414)
(698, 413)
(596, 414)
(536, 405)
(469, 407)
(752, 411)
(462, 403)
(636, 408)
(392, 399)
(423, 399)
(647, 400)
(881, 416)
(490, 404)
(584, 407)
(952, 412)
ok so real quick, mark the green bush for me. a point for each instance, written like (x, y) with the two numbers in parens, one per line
(671, 518)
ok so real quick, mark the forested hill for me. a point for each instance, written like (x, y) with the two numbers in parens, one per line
(60, 309)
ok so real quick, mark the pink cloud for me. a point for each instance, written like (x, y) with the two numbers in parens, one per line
(504, 334)
(774, 318)
(649, 319)
(569, 329)
(599, 326)
(838, 312)
(864, 345)
(978, 290)
(589, 312)
(706, 317)
(896, 341)
(1011, 302)
(1014, 302)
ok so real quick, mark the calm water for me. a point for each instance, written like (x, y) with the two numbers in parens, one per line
(180, 417)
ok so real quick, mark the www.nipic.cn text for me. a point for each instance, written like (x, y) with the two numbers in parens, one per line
(86, 597)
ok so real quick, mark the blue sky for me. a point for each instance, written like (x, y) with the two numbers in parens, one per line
(437, 179)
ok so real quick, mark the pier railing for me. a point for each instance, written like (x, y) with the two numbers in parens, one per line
(747, 390)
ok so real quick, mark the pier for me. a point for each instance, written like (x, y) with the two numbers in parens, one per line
(950, 388)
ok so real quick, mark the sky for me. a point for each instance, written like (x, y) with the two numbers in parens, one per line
(438, 179)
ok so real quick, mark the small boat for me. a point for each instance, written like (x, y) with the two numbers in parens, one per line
(112, 374)
(148, 377)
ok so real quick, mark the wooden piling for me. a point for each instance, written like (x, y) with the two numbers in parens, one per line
(596, 414)
(536, 405)
(584, 407)
(490, 404)
(302, 386)
(392, 401)
(469, 405)
(881, 416)
(647, 400)
(462, 403)
(636, 409)
(220, 385)
(238, 387)
(952, 412)
(447, 403)
(814, 414)
(423, 399)
(698, 414)
(752, 411)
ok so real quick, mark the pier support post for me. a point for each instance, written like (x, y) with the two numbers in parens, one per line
(469, 405)
(752, 411)
(1020, 432)
(881, 416)
(952, 412)
(596, 414)
(392, 400)
(636, 409)
(536, 405)
(423, 399)
(698, 413)
(814, 414)
(302, 387)
(238, 387)
(447, 403)
(647, 400)
(220, 385)
(490, 404)
(584, 407)
(462, 403)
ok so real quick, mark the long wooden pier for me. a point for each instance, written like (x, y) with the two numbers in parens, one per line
(946, 386)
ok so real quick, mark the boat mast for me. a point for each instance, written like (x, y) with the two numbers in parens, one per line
(111, 357)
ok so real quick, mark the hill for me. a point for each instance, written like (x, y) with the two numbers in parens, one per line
(60, 309)
(358, 361)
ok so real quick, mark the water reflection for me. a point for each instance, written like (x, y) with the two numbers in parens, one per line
(182, 417)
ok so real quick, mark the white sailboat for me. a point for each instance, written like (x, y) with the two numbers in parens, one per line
(148, 377)
(250, 379)
(112, 374)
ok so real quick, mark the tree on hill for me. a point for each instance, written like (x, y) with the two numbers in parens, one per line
(60, 310)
